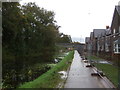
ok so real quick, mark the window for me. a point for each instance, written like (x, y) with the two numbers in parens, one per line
(114, 32)
(118, 50)
(116, 47)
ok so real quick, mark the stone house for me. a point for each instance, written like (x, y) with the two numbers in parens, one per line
(87, 45)
(98, 40)
(106, 42)
(91, 42)
(115, 31)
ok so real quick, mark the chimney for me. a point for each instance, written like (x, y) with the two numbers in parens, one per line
(107, 27)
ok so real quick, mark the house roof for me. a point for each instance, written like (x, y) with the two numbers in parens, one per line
(91, 35)
(118, 9)
(108, 31)
(115, 17)
(98, 32)
(87, 39)
(117, 41)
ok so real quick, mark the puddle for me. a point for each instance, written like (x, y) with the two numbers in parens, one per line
(104, 62)
(63, 74)
(56, 60)
(101, 61)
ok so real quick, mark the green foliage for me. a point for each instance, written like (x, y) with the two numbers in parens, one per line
(93, 58)
(29, 34)
(51, 78)
(51, 65)
(28, 37)
(62, 38)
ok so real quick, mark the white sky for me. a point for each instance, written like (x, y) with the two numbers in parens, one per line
(79, 17)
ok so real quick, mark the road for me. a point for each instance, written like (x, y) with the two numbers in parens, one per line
(80, 76)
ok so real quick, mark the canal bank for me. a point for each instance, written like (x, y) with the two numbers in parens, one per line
(51, 78)
(80, 76)
(108, 67)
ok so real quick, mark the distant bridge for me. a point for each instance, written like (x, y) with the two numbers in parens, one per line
(77, 46)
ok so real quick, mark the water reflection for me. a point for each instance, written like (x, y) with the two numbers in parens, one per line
(104, 62)
(101, 61)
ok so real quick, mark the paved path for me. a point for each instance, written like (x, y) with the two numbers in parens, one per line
(80, 76)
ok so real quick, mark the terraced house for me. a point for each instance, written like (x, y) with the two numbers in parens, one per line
(115, 30)
(106, 42)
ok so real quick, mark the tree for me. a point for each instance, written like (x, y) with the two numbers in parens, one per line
(40, 29)
(12, 42)
(64, 38)
(29, 37)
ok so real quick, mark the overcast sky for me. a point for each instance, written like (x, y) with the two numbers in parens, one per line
(79, 17)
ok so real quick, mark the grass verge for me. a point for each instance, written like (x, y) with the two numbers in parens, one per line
(51, 78)
(110, 71)
(93, 58)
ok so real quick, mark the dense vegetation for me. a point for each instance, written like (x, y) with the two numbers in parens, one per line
(29, 34)
(51, 78)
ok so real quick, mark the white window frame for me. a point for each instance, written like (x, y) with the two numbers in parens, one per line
(116, 47)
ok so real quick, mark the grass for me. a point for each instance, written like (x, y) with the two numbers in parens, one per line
(51, 65)
(93, 58)
(110, 71)
(51, 78)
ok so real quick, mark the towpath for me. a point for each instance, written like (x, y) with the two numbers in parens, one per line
(80, 76)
